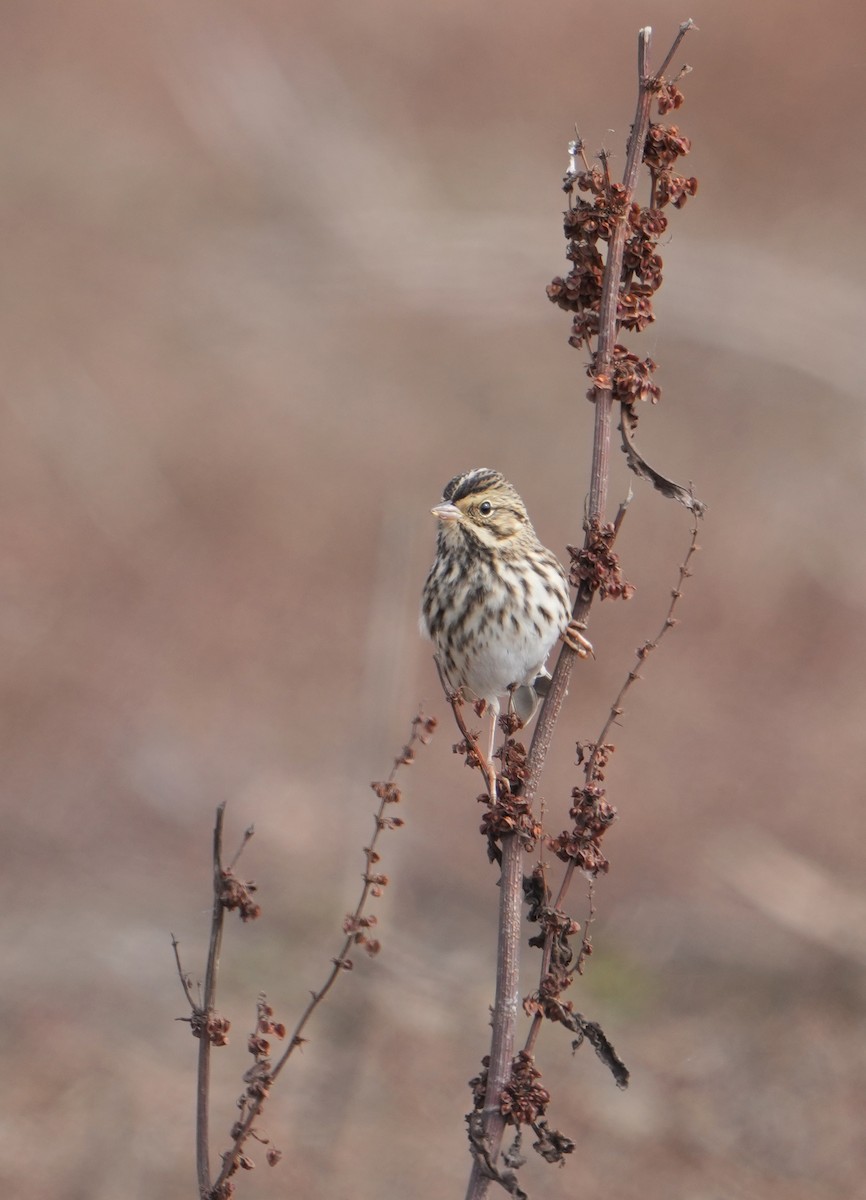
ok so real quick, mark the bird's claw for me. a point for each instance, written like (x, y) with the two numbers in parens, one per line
(573, 637)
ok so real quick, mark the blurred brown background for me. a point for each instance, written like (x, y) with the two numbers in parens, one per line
(272, 273)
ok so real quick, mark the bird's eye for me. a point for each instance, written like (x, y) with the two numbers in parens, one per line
(485, 508)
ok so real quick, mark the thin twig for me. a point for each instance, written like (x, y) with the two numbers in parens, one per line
(683, 30)
(455, 699)
(182, 975)
(616, 709)
(248, 833)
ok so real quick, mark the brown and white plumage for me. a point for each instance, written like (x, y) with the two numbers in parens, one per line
(495, 600)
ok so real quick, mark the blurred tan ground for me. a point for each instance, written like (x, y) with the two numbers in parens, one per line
(272, 274)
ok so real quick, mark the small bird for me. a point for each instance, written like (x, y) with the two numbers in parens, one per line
(495, 600)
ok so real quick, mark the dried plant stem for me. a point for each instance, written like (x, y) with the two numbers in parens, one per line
(600, 467)
(202, 1152)
(422, 729)
(206, 1026)
(506, 1004)
(607, 327)
(507, 984)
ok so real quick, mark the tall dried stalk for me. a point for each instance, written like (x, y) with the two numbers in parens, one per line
(510, 1081)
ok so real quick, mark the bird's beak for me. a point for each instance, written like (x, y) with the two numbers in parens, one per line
(446, 512)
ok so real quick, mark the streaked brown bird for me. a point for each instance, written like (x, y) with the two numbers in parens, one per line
(495, 600)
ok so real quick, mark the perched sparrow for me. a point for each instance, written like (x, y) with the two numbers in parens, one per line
(495, 600)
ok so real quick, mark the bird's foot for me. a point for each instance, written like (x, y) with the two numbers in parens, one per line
(573, 637)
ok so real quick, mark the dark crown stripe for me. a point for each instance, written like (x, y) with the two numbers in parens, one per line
(469, 483)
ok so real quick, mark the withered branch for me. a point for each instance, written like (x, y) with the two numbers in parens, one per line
(211, 1029)
(230, 893)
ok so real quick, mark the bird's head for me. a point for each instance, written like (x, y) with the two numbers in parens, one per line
(482, 506)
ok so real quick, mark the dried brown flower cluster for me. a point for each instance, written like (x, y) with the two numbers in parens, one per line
(664, 145)
(258, 1079)
(592, 816)
(238, 896)
(357, 927)
(589, 224)
(556, 929)
(214, 1028)
(591, 813)
(510, 812)
(595, 565)
(523, 1099)
(523, 1102)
